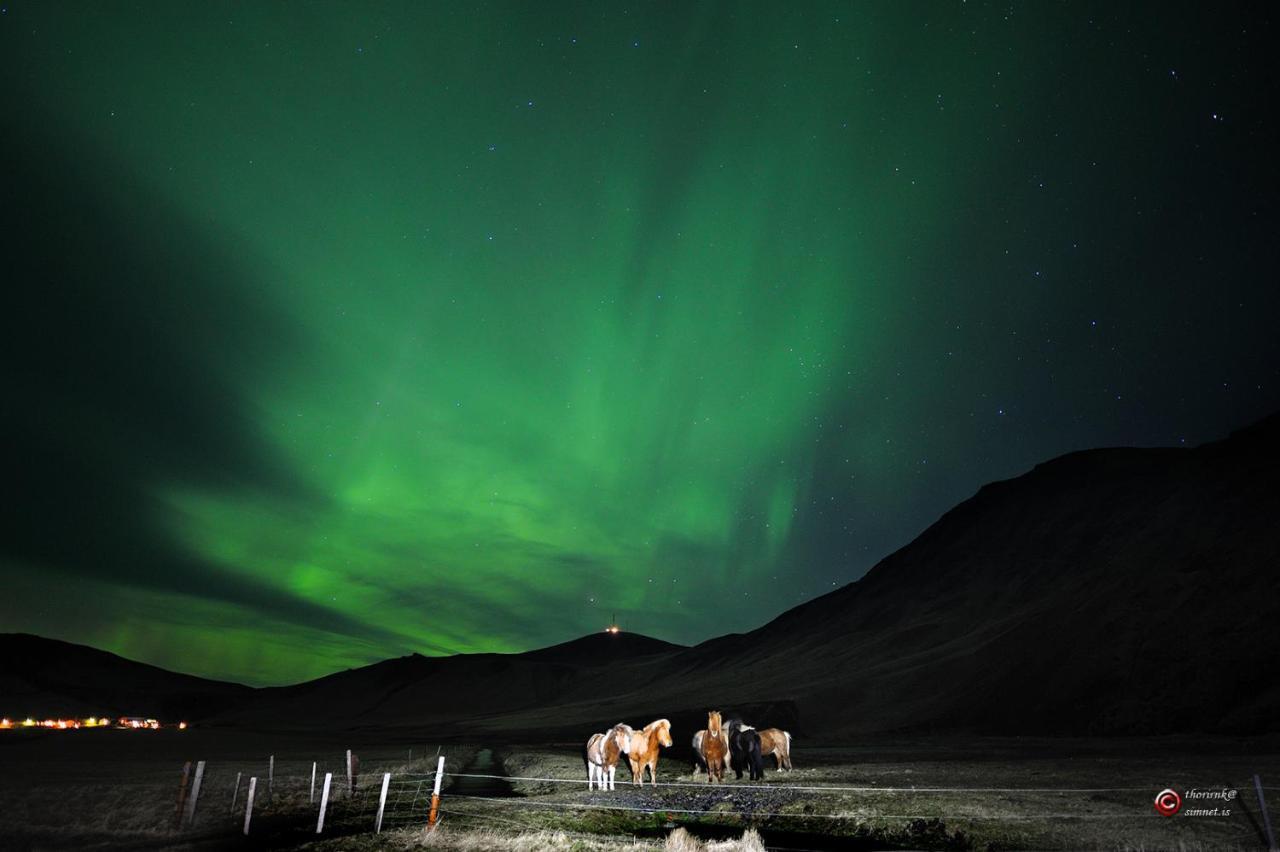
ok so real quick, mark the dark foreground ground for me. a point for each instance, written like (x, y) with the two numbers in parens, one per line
(118, 790)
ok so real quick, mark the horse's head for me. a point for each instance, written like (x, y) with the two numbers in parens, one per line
(659, 729)
(622, 736)
(713, 723)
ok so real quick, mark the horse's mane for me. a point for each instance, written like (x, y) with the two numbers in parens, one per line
(655, 724)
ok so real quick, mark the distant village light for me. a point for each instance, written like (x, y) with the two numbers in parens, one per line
(127, 722)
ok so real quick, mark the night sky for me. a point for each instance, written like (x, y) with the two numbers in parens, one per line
(338, 331)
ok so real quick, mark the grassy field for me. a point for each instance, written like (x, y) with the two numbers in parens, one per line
(108, 789)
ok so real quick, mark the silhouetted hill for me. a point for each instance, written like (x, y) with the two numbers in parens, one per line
(409, 690)
(49, 678)
(599, 648)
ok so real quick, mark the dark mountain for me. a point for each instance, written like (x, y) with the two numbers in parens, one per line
(1118, 591)
(601, 648)
(48, 678)
(1108, 591)
(410, 690)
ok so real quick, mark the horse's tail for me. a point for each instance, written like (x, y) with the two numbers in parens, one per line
(787, 734)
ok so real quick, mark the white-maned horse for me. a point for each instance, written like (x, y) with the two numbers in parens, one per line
(603, 752)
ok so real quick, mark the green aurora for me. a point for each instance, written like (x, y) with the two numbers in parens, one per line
(350, 330)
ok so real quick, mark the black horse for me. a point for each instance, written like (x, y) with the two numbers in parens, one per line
(744, 749)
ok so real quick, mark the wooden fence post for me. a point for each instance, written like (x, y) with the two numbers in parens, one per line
(248, 803)
(271, 776)
(182, 793)
(324, 801)
(235, 794)
(435, 794)
(311, 799)
(348, 770)
(190, 817)
(382, 802)
(1266, 818)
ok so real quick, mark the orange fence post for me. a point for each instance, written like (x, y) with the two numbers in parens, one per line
(435, 795)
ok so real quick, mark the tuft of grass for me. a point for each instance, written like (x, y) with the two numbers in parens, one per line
(682, 841)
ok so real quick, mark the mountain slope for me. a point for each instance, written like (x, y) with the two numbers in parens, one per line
(1105, 591)
(49, 678)
(414, 689)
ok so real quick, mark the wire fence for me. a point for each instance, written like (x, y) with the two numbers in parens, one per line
(288, 795)
(818, 788)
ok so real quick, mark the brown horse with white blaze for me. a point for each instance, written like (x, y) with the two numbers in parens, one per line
(777, 742)
(644, 750)
(715, 748)
(603, 752)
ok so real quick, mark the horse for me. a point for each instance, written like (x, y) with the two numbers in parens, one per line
(699, 765)
(603, 751)
(715, 748)
(744, 749)
(644, 750)
(777, 742)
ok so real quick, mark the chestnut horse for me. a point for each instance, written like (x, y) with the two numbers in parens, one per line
(644, 750)
(603, 751)
(777, 742)
(715, 748)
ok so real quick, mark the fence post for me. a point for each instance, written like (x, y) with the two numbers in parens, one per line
(382, 802)
(348, 770)
(235, 794)
(190, 818)
(271, 776)
(435, 794)
(311, 799)
(1266, 818)
(324, 801)
(182, 793)
(248, 803)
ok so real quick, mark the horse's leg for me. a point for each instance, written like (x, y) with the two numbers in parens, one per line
(612, 771)
(591, 775)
